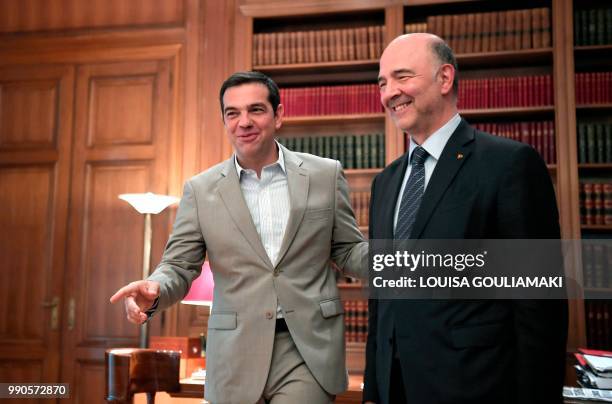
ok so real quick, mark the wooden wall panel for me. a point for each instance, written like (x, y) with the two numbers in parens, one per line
(89, 374)
(28, 113)
(106, 243)
(110, 253)
(26, 248)
(121, 110)
(34, 178)
(22, 371)
(46, 15)
(220, 18)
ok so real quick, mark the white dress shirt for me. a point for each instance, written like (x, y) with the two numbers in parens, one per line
(268, 201)
(434, 146)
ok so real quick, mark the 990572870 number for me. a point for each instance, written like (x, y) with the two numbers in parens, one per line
(34, 390)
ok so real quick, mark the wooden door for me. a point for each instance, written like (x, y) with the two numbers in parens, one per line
(35, 139)
(122, 131)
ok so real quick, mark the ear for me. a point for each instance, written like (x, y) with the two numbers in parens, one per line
(447, 78)
(278, 117)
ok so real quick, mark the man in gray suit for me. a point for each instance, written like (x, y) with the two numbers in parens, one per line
(270, 221)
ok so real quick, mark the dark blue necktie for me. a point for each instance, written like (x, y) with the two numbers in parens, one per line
(413, 193)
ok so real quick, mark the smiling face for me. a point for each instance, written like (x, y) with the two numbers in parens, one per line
(250, 123)
(414, 86)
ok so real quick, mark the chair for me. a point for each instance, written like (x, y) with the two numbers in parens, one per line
(133, 370)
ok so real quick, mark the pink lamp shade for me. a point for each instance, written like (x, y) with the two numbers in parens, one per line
(201, 292)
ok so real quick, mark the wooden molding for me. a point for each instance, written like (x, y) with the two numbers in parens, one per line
(273, 8)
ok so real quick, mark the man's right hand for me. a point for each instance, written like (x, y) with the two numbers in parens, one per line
(138, 297)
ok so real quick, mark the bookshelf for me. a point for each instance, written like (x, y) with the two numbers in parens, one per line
(534, 41)
(592, 51)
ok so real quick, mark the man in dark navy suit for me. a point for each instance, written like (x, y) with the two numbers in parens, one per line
(456, 182)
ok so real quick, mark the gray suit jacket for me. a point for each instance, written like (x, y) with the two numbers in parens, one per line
(213, 219)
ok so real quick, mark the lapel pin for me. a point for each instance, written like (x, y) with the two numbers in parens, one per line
(459, 156)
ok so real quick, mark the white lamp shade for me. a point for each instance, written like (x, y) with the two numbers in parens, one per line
(149, 202)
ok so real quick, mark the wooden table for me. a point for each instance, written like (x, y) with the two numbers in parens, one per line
(195, 389)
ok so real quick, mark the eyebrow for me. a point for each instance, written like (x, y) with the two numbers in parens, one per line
(397, 72)
(232, 108)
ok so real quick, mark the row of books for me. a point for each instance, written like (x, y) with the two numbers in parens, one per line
(330, 45)
(355, 320)
(360, 201)
(594, 88)
(599, 326)
(595, 202)
(597, 264)
(503, 92)
(593, 27)
(353, 151)
(539, 134)
(492, 31)
(331, 100)
(594, 142)
(496, 92)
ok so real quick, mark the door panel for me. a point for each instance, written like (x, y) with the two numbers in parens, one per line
(122, 131)
(35, 142)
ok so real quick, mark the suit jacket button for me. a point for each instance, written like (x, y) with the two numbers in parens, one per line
(269, 315)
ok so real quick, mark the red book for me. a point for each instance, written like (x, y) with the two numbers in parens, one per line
(581, 359)
(543, 91)
(598, 203)
(507, 86)
(588, 98)
(525, 132)
(549, 90)
(595, 352)
(588, 203)
(552, 149)
(607, 189)
(546, 142)
(539, 143)
(580, 88)
(607, 85)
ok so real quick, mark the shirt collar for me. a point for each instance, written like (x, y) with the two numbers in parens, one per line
(436, 142)
(280, 161)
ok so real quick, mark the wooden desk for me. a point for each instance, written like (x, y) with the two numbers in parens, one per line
(195, 389)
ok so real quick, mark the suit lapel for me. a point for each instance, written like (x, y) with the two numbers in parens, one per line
(231, 194)
(298, 183)
(455, 153)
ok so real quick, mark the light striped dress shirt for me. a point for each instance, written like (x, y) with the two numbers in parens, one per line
(268, 201)
(434, 145)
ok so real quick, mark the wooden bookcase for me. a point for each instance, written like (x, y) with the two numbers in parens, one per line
(592, 51)
(558, 58)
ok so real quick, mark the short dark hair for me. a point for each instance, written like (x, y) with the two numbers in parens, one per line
(445, 55)
(240, 78)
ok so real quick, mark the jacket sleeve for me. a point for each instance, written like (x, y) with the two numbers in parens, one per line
(182, 260)
(527, 210)
(349, 250)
